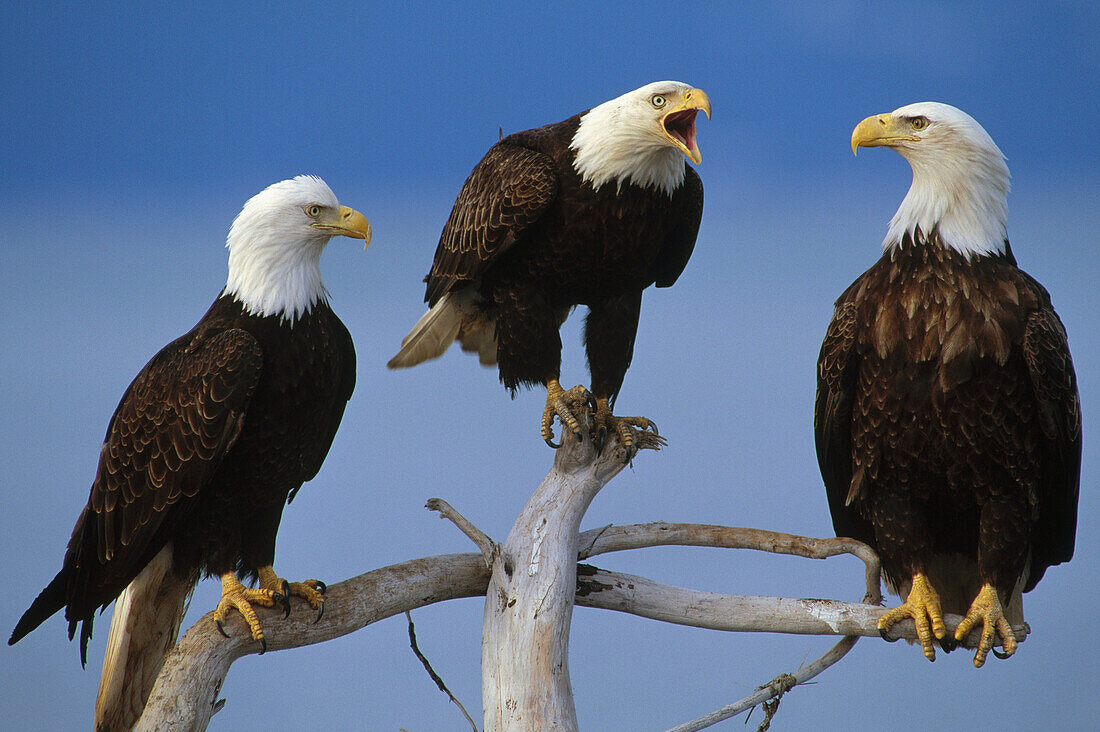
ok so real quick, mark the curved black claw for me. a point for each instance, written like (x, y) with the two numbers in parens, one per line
(948, 643)
(600, 438)
(886, 636)
(551, 443)
(321, 586)
(283, 598)
(320, 613)
(220, 628)
(263, 646)
(1000, 654)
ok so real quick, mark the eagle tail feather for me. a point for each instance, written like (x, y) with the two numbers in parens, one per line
(48, 602)
(144, 626)
(430, 337)
(453, 317)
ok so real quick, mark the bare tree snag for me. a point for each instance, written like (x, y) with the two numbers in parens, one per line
(529, 604)
(535, 582)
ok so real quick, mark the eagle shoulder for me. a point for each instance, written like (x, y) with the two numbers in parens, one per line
(173, 425)
(505, 193)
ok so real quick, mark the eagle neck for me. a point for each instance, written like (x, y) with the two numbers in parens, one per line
(270, 278)
(610, 147)
(963, 199)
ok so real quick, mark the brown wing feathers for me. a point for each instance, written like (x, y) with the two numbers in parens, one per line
(172, 426)
(1050, 367)
(507, 191)
(179, 418)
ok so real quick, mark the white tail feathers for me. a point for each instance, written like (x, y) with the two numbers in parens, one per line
(144, 626)
(454, 317)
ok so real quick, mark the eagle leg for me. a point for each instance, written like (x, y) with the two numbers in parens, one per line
(987, 609)
(311, 590)
(624, 428)
(236, 595)
(565, 405)
(923, 606)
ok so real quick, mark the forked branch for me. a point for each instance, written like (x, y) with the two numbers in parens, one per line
(539, 583)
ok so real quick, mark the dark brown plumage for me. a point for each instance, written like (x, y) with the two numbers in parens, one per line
(208, 443)
(531, 236)
(203, 451)
(947, 419)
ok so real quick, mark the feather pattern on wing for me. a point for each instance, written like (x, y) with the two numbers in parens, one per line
(508, 190)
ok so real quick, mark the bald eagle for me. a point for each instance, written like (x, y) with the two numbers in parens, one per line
(214, 435)
(588, 211)
(947, 417)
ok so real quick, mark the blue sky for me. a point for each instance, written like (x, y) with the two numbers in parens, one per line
(131, 137)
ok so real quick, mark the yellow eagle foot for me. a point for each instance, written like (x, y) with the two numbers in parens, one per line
(565, 405)
(311, 590)
(987, 609)
(236, 595)
(634, 433)
(923, 606)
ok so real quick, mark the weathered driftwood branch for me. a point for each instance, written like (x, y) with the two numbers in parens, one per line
(186, 692)
(626, 593)
(772, 690)
(618, 538)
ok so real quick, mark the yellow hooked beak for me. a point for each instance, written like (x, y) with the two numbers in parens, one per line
(878, 130)
(345, 222)
(678, 122)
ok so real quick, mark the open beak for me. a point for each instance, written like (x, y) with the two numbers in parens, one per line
(879, 130)
(679, 122)
(346, 222)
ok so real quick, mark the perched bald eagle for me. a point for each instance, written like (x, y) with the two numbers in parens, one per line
(588, 211)
(213, 437)
(947, 418)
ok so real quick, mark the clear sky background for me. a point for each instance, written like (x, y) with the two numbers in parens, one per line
(130, 137)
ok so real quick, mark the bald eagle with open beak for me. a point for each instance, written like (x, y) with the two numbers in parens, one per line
(947, 418)
(588, 211)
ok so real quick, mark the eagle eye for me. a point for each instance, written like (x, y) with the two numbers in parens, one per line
(657, 100)
(919, 123)
(313, 210)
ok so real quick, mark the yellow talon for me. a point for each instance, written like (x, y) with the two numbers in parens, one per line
(923, 606)
(987, 609)
(623, 428)
(565, 405)
(236, 595)
(273, 591)
(312, 591)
